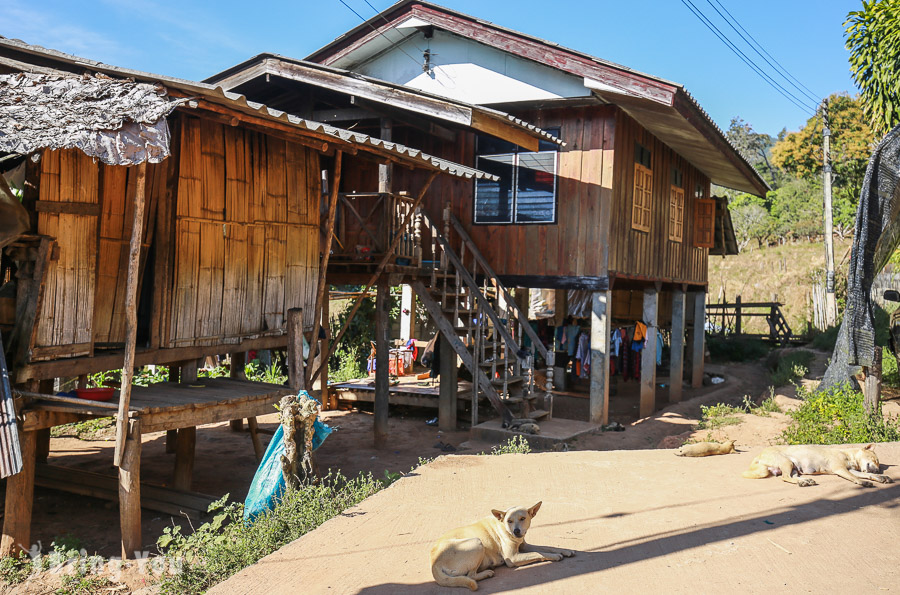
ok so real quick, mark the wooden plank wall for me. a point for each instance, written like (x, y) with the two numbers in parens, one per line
(574, 245)
(652, 256)
(246, 234)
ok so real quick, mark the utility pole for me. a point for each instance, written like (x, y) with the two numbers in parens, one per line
(830, 302)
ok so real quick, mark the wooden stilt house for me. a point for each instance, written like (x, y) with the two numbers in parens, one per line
(622, 211)
(169, 221)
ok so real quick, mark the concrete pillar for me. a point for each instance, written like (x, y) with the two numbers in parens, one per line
(447, 394)
(601, 313)
(698, 337)
(648, 355)
(407, 314)
(676, 359)
(382, 353)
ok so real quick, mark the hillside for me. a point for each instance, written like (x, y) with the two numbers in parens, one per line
(761, 274)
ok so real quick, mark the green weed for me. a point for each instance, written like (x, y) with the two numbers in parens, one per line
(792, 366)
(735, 349)
(350, 366)
(99, 428)
(220, 548)
(837, 416)
(718, 415)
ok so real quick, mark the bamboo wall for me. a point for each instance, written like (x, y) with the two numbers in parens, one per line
(231, 221)
(246, 234)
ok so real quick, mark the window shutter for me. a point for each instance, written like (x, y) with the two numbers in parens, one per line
(643, 186)
(676, 214)
(704, 223)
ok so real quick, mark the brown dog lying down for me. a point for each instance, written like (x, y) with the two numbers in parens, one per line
(853, 464)
(466, 555)
(705, 449)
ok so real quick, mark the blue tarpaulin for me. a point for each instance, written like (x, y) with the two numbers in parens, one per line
(268, 483)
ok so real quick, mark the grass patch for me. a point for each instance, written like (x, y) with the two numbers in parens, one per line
(890, 376)
(765, 408)
(100, 428)
(837, 416)
(349, 368)
(222, 547)
(791, 366)
(718, 415)
(825, 340)
(735, 349)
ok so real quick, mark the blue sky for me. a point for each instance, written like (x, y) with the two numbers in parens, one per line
(660, 37)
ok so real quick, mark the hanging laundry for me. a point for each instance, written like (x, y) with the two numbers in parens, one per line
(640, 331)
(659, 348)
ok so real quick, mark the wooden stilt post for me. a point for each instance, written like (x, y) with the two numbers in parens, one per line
(237, 372)
(698, 337)
(172, 435)
(19, 501)
(130, 491)
(601, 308)
(131, 285)
(295, 349)
(324, 393)
(382, 379)
(184, 458)
(676, 358)
(253, 427)
(447, 393)
(323, 269)
(42, 452)
(648, 356)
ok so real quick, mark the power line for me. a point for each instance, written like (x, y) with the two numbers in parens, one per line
(384, 18)
(800, 104)
(393, 43)
(781, 70)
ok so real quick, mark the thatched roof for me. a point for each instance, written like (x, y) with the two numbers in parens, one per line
(119, 122)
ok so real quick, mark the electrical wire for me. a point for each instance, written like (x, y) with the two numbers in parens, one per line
(384, 18)
(774, 84)
(781, 70)
(393, 43)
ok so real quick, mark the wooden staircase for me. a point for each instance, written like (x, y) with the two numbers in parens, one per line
(484, 326)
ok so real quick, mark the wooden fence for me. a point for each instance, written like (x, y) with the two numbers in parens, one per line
(729, 319)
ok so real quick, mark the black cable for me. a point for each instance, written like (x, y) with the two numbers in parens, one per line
(781, 70)
(393, 43)
(744, 58)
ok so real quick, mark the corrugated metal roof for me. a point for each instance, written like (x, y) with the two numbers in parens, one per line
(489, 112)
(240, 103)
(10, 450)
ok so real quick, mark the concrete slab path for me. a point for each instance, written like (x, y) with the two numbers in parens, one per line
(640, 521)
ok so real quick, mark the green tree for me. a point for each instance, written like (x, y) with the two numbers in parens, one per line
(756, 147)
(800, 154)
(751, 222)
(873, 38)
(797, 209)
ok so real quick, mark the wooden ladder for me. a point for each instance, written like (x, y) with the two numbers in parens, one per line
(474, 311)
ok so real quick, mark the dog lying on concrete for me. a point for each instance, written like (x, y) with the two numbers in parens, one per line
(853, 464)
(466, 555)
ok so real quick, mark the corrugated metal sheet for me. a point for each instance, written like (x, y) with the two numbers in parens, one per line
(10, 451)
(240, 103)
(485, 111)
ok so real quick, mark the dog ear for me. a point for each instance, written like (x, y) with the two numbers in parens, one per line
(499, 514)
(869, 447)
(533, 510)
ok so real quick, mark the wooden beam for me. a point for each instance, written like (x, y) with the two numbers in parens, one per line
(131, 285)
(294, 136)
(648, 355)
(253, 428)
(385, 259)
(676, 358)
(382, 355)
(352, 114)
(495, 127)
(296, 377)
(69, 208)
(601, 318)
(323, 268)
(130, 491)
(19, 501)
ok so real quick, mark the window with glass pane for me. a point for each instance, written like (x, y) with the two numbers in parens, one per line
(526, 189)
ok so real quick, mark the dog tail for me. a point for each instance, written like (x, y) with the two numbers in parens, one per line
(445, 580)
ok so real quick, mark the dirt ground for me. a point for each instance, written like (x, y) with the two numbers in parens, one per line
(640, 521)
(94, 523)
